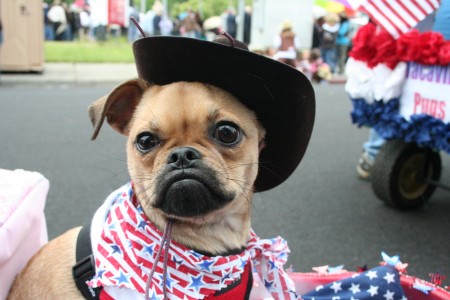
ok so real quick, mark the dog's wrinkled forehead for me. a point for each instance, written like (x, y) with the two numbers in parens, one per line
(186, 106)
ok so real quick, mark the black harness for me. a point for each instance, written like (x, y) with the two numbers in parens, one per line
(84, 269)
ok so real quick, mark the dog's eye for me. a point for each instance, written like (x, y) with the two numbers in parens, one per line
(227, 133)
(145, 141)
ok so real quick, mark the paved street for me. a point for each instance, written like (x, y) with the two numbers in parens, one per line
(327, 215)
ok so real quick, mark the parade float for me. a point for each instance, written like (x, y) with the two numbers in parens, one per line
(399, 84)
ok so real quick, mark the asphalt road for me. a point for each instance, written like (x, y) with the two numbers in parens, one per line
(327, 214)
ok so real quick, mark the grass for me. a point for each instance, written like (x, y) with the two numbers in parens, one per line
(114, 50)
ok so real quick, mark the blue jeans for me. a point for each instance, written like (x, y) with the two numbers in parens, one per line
(373, 144)
(329, 56)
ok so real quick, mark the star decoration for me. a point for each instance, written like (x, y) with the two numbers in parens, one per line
(336, 286)
(389, 295)
(177, 261)
(112, 226)
(268, 284)
(355, 288)
(149, 249)
(196, 282)
(243, 263)
(333, 270)
(372, 274)
(122, 278)
(373, 290)
(169, 281)
(389, 277)
(390, 260)
(272, 264)
(206, 264)
(424, 288)
(321, 270)
(100, 273)
(153, 296)
(142, 224)
(116, 249)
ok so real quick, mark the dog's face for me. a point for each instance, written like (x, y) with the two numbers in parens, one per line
(192, 149)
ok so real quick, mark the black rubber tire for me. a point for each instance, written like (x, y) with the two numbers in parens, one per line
(396, 171)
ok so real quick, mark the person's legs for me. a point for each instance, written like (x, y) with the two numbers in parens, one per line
(370, 150)
(342, 57)
(329, 57)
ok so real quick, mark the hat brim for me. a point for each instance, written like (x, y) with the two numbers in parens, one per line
(281, 96)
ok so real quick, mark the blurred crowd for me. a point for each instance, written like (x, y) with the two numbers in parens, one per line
(328, 54)
(331, 37)
(78, 21)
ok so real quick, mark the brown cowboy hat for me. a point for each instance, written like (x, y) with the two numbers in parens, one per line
(281, 96)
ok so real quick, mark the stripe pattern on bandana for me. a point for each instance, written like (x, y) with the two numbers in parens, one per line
(129, 242)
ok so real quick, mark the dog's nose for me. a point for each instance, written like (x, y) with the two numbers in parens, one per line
(183, 157)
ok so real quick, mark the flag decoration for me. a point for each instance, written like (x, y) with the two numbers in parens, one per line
(127, 250)
(398, 16)
(380, 283)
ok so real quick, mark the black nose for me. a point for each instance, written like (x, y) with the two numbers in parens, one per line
(183, 157)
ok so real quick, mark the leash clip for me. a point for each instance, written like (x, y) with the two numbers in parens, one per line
(82, 272)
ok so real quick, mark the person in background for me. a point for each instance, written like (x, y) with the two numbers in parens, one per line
(317, 33)
(75, 23)
(343, 41)
(49, 33)
(85, 21)
(286, 44)
(329, 35)
(147, 22)
(313, 66)
(132, 30)
(247, 24)
(166, 25)
(189, 26)
(231, 25)
(57, 15)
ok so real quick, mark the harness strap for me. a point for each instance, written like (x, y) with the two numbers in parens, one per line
(84, 269)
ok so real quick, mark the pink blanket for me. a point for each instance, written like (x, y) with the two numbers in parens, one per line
(23, 229)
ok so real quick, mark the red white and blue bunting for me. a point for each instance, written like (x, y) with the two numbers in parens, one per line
(398, 86)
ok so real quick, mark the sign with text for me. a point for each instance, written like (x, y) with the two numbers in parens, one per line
(426, 91)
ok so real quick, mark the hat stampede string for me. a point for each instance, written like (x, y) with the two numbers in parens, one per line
(138, 26)
(165, 243)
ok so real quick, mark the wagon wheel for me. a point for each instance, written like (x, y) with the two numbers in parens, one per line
(401, 173)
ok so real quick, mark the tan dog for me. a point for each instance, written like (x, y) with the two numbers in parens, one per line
(218, 123)
(193, 158)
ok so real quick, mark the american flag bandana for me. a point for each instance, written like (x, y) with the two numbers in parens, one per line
(127, 249)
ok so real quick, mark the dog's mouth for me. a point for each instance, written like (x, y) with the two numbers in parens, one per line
(190, 192)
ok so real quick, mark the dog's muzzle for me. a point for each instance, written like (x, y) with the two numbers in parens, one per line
(188, 187)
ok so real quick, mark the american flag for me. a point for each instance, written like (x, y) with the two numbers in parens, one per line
(398, 16)
(381, 283)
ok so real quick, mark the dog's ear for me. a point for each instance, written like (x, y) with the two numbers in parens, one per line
(117, 107)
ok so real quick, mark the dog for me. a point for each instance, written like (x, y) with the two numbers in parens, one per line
(196, 153)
